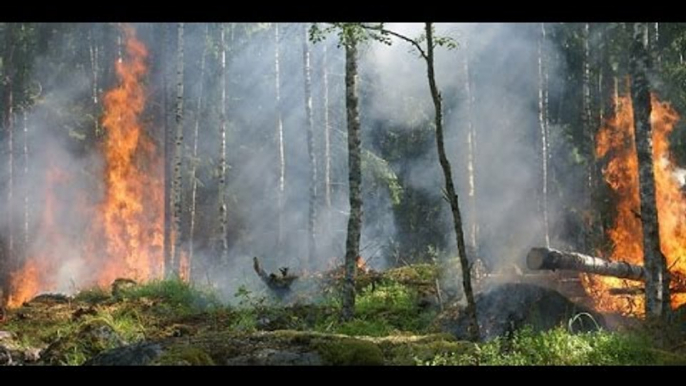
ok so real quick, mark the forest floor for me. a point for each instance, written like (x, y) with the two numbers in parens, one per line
(397, 323)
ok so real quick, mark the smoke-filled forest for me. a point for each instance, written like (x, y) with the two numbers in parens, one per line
(342, 194)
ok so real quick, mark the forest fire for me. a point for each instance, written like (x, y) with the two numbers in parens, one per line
(132, 212)
(616, 141)
(124, 237)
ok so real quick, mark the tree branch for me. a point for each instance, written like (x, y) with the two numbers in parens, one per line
(399, 36)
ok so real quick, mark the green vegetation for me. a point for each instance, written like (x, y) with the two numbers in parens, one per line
(559, 347)
(391, 327)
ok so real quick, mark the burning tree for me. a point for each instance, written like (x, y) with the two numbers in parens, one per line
(657, 278)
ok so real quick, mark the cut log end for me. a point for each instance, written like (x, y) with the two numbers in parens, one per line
(535, 258)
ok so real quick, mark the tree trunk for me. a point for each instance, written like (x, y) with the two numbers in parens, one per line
(607, 76)
(162, 42)
(552, 259)
(8, 123)
(120, 43)
(450, 189)
(328, 218)
(327, 132)
(25, 228)
(279, 138)
(195, 160)
(471, 157)
(94, 54)
(657, 277)
(653, 44)
(178, 149)
(587, 124)
(312, 215)
(543, 123)
(223, 242)
(352, 243)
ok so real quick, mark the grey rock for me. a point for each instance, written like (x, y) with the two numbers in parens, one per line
(272, 357)
(138, 354)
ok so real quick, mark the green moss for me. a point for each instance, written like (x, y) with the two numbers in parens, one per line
(361, 327)
(410, 354)
(173, 296)
(90, 339)
(93, 296)
(127, 324)
(426, 273)
(185, 355)
(344, 352)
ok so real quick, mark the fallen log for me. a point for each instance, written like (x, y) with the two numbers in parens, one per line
(635, 291)
(552, 259)
(631, 291)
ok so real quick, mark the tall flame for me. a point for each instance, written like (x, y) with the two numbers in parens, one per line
(125, 235)
(616, 141)
(132, 212)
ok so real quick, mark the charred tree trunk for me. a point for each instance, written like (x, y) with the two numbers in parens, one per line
(178, 149)
(450, 188)
(223, 215)
(352, 244)
(195, 160)
(312, 215)
(657, 276)
(587, 123)
(552, 259)
(279, 138)
(607, 82)
(543, 123)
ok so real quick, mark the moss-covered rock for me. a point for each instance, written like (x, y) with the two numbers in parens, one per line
(91, 338)
(185, 355)
(409, 350)
(349, 351)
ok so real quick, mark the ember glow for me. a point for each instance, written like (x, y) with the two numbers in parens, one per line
(615, 141)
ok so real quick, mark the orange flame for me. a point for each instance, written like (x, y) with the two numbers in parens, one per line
(24, 284)
(361, 265)
(34, 275)
(616, 140)
(125, 238)
(132, 212)
(184, 267)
